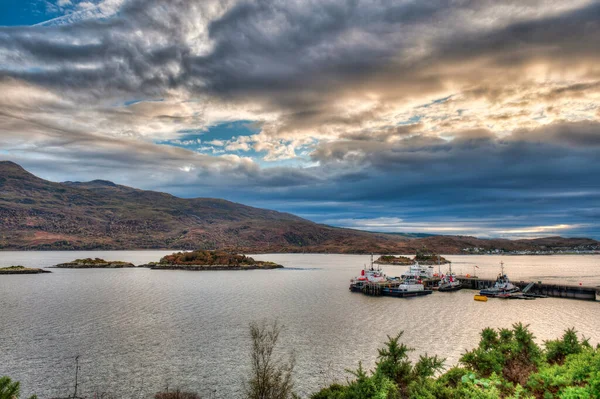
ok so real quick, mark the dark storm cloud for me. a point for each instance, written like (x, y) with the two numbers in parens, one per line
(276, 47)
(497, 172)
(557, 38)
(129, 54)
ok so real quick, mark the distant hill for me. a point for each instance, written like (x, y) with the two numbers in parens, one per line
(39, 214)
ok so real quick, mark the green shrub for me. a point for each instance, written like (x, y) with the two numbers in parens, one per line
(10, 389)
(510, 353)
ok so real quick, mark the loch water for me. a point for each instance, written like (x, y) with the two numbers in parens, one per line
(138, 331)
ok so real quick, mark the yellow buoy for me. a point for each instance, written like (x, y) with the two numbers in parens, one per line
(481, 298)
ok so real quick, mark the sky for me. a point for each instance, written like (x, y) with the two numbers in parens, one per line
(445, 117)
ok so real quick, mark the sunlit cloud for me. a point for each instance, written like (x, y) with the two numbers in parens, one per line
(540, 229)
(444, 112)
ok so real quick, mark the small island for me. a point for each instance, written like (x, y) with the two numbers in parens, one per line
(22, 270)
(210, 260)
(427, 257)
(423, 257)
(97, 263)
(394, 260)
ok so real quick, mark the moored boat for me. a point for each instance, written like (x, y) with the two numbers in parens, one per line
(370, 275)
(449, 282)
(408, 288)
(502, 288)
(374, 282)
(418, 272)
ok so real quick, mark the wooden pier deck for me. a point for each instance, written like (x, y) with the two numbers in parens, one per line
(587, 293)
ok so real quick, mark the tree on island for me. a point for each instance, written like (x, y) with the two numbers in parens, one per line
(428, 257)
(394, 260)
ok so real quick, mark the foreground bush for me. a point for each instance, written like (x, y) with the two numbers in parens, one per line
(10, 389)
(507, 363)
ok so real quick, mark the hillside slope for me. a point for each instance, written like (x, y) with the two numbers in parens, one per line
(39, 214)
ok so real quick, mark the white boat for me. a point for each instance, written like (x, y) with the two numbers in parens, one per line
(407, 288)
(368, 275)
(502, 287)
(374, 282)
(418, 272)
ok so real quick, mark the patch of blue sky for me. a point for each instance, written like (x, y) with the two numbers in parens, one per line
(437, 101)
(219, 140)
(137, 101)
(20, 13)
(215, 139)
(221, 133)
(412, 120)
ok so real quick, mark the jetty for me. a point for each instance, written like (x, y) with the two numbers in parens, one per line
(587, 293)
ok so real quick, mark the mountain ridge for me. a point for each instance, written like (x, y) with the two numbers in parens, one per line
(36, 214)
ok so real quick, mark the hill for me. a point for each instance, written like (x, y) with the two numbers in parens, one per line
(39, 214)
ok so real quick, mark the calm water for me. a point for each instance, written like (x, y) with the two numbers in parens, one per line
(138, 331)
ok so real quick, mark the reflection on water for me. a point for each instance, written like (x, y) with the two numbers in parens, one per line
(138, 331)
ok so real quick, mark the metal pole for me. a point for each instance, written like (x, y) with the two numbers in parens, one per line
(76, 374)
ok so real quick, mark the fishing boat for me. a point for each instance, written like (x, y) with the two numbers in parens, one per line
(367, 275)
(408, 288)
(449, 282)
(416, 271)
(502, 288)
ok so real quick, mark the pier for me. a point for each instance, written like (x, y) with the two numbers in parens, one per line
(586, 293)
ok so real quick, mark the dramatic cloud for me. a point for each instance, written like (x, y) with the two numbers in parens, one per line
(466, 117)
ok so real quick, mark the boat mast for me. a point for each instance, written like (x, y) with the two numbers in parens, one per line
(502, 267)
